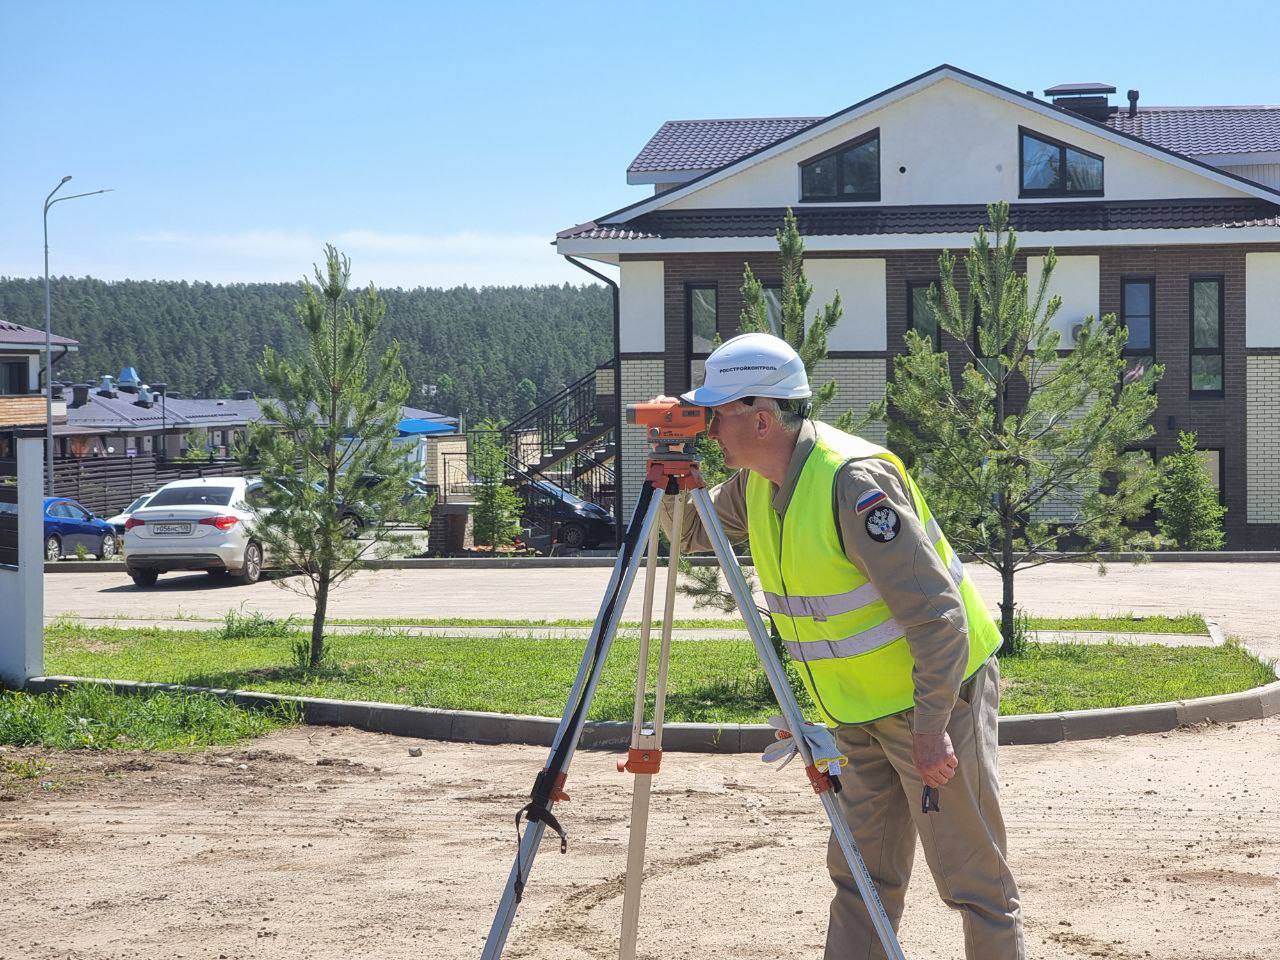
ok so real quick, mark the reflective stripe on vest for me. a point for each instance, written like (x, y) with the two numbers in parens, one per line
(822, 607)
(871, 639)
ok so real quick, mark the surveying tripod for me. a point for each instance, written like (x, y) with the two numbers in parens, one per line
(671, 470)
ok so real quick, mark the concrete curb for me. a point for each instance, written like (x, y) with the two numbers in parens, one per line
(428, 723)
(533, 563)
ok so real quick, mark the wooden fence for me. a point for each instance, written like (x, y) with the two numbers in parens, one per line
(107, 485)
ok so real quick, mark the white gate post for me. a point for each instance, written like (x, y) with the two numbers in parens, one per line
(22, 589)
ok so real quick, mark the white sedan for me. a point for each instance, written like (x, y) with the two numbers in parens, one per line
(202, 524)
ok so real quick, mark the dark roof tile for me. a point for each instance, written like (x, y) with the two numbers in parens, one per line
(1198, 131)
(689, 145)
(705, 144)
(955, 218)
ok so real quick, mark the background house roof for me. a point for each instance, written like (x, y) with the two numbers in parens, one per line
(695, 145)
(950, 218)
(16, 333)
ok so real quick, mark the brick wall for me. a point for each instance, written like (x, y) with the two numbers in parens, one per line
(1263, 434)
(1220, 423)
(641, 379)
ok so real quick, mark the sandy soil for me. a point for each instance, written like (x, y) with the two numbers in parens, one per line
(319, 843)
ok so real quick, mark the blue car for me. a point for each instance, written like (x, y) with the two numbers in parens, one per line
(68, 525)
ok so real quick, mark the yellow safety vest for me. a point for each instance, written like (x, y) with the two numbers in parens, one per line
(852, 654)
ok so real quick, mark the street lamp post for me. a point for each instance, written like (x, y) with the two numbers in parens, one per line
(48, 335)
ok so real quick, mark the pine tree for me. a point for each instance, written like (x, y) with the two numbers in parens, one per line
(496, 515)
(328, 438)
(1028, 450)
(1189, 513)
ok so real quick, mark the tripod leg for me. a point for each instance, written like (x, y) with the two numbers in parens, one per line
(647, 739)
(795, 718)
(569, 731)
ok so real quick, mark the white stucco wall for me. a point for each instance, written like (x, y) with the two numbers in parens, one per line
(959, 145)
(861, 283)
(1262, 299)
(640, 307)
(1075, 279)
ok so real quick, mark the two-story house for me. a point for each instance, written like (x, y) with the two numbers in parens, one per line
(1168, 217)
(23, 403)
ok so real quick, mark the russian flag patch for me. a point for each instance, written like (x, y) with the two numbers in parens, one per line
(869, 500)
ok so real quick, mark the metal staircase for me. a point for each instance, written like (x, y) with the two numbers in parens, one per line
(568, 440)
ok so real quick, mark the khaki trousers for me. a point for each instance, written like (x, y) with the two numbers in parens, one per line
(964, 842)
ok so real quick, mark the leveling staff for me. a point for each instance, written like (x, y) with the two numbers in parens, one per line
(893, 642)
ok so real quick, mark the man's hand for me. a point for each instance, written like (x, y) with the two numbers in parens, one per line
(934, 758)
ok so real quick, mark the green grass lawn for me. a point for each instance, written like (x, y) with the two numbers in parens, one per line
(96, 719)
(710, 681)
(1189, 623)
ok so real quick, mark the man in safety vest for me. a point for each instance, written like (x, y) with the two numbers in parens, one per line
(892, 640)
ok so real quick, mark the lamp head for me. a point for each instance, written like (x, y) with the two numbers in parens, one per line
(65, 179)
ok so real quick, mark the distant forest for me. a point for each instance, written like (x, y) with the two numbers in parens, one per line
(492, 351)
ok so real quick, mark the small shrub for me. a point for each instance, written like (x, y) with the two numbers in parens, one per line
(237, 625)
(1022, 636)
(82, 552)
(1189, 511)
(302, 662)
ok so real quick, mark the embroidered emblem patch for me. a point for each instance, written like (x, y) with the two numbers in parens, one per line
(869, 500)
(883, 524)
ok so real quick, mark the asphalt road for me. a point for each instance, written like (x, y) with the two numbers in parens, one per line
(1243, 597)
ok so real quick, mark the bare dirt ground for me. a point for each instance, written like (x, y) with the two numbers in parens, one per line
(320, 843)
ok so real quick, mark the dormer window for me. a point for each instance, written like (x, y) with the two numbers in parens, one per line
(1051, 168)
(849, 172)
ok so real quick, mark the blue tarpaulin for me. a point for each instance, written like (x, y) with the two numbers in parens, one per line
(412, 427)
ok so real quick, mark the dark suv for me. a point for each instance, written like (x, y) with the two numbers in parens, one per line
(578, 523)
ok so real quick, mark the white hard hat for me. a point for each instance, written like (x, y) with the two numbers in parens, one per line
(752, 365)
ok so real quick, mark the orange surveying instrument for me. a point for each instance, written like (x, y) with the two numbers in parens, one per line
(672, 469)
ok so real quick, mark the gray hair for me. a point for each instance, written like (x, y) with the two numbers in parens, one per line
(783, 411)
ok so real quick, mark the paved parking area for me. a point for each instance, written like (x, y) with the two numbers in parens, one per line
(1243, 597)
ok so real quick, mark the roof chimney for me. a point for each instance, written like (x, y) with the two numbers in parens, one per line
(144, 397)
(79, 394)
(160, 389)
(242, 395)
(129, 380)
(1133, 102)
(106, 389)
(1089, 100)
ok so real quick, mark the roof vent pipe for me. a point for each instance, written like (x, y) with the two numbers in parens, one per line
(1133, 103)
(106, 389)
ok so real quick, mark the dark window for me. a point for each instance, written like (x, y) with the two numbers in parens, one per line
(1051, 168)
(192, 496)
(1206, 335)
(773, 307)
(13, 377)
(1138, 314)
(701, 307)
(849, 172)
(920, 316)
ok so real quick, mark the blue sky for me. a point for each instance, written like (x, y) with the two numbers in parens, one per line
(441, 144)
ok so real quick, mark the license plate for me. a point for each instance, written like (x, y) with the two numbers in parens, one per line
(172, 529)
